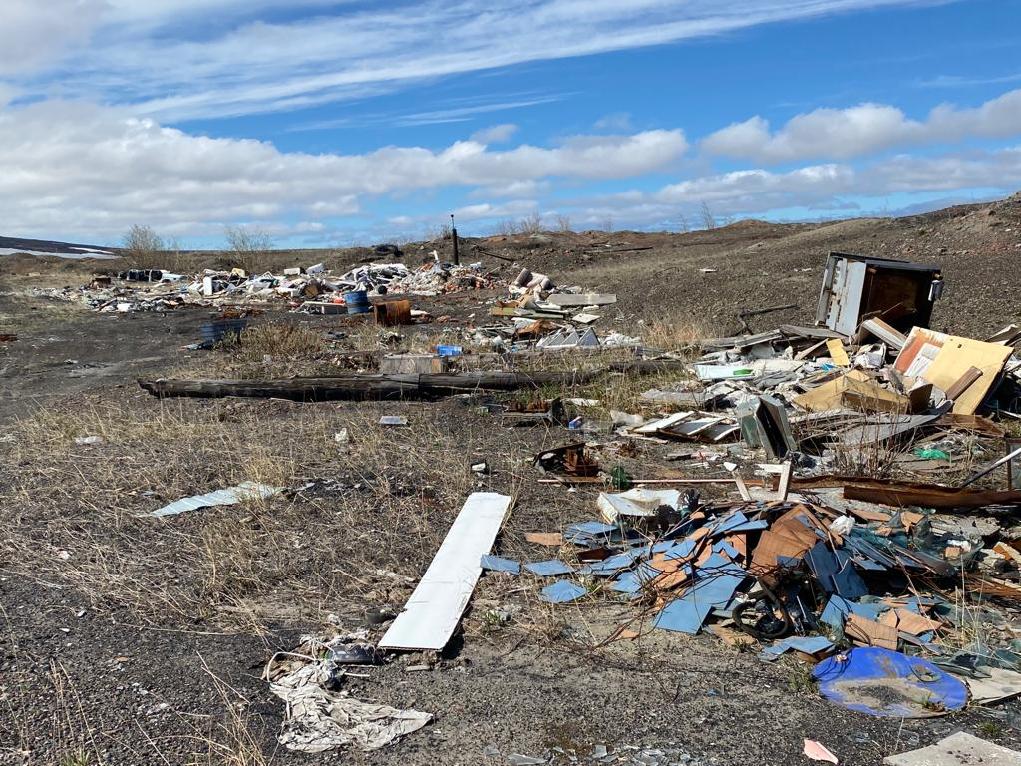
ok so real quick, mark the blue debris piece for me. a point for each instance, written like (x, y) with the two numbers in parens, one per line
(632, 582)
(806, 644)
(788, 562)
(497, 564)
(836, 611)
(912, 687)
(838, 607)
(868, 564)
(664, 546)
(562, 591)
(682, 550)
(751, 526)
(724, 526)
(588, 529)
(724, 547)
(716, 581)
(870, 610)
(823, 565)
(550, 568)
(849, 583)
(613, 564)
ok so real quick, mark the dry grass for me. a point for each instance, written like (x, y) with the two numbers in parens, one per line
(235, 738)
(678, 333)
(77, 513)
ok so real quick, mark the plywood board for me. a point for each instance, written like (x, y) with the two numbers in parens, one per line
(956, 358)
(837, 353)
(436, 605)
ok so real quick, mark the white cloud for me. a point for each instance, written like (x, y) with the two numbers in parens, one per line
(34, 33)
(863, 130)
(823, 188)
(151, 56)
(100, 170)
(497, 134)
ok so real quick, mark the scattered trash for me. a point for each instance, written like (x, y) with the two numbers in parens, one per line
(318, 718)
(84, 441)
(247, 490)
(393, 420)
(819, 752)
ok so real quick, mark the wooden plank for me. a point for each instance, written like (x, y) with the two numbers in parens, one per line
(956, 358)
(837, 353)
(434, 609)
(962, 383)
(889, 335)
(581, 299)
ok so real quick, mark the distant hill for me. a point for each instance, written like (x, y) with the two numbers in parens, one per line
(12, 245)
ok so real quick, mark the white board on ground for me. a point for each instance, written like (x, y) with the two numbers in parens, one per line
(434, 609)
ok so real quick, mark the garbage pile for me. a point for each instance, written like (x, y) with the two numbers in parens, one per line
(810, 573)
(299, 288)
(915, 399)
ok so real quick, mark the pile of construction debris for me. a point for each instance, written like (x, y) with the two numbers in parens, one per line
(298, 288)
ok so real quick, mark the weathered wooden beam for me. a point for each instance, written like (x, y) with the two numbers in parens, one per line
(362, 386)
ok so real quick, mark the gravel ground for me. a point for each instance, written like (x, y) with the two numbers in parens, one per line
(93, 674)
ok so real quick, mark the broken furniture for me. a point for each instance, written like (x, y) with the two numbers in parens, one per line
(857, 287)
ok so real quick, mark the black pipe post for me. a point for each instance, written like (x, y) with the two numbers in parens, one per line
(453, 234)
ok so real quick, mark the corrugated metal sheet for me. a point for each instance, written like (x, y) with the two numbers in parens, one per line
(247, 490)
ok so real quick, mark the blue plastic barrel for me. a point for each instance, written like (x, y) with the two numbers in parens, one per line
(357, 302)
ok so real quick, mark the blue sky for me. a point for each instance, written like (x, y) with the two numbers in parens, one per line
(328, 122)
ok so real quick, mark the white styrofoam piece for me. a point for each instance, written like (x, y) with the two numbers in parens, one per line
(434, 609)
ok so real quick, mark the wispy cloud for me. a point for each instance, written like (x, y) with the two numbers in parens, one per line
(152, 61)
(958, 81)
(451, 114)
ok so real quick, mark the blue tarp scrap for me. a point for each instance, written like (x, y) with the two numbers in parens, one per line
(884, 683)
(498, 564)
(838, 607)
(550, 568)
(724, 547)
(823, 565)
(588, 532)
(848, 582)
(591, 528)
(562, 591)
(751, 526)
(806, 644)
(716, 581)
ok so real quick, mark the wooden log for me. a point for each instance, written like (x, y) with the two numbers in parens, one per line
(362, 386)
